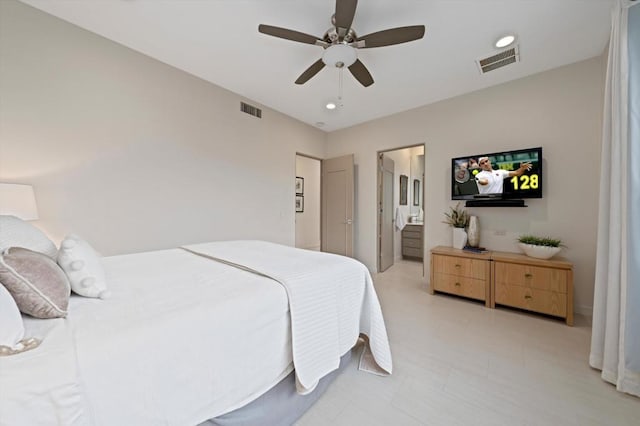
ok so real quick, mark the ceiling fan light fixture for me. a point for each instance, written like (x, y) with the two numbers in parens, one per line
(339, 55)
(340, 43)
(505, 41)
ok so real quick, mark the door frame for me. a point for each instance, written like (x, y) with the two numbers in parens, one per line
(378, 200)
(312, 157)
(322, 197)
(381, 201)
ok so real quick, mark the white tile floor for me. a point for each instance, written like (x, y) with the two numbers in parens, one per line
(459, 363)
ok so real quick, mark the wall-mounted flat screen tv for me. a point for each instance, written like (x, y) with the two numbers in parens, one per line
(499, 175)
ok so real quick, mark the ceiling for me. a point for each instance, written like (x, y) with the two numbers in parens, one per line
(218, 40)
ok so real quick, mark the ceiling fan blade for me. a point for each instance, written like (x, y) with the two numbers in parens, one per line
(361, 73)
(392, 36)
(345, 11)
(310, 72)
(289, 34)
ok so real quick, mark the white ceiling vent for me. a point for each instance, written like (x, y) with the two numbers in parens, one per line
(251, 110)
(506, 57)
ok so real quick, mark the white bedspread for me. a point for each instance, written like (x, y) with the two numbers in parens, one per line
(182, 339)
(331, 298)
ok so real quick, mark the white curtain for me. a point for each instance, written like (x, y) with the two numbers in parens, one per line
(615, 340)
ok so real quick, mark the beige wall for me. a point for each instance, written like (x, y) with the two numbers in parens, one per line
(133, 154)
(559, 110)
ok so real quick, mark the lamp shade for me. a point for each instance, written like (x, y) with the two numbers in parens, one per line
(18, 200)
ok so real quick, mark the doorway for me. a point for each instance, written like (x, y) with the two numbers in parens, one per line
(400, 213)
(307, 204)
(324, 204)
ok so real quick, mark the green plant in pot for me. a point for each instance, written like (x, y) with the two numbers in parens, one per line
(540, 247)
(458, 219)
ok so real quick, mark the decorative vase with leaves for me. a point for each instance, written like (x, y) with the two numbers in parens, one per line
(458, 218)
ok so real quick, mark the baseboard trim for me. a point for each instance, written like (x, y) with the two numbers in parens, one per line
(583, 310)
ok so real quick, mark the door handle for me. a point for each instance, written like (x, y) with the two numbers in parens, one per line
(348, 222)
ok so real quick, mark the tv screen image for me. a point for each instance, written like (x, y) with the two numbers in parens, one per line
(500, 175)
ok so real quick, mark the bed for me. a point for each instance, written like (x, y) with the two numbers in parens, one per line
(196, 334)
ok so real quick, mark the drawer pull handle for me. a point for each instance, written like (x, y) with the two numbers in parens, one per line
(528, 296)
(457, 284)
(528, 275)
(457, 266)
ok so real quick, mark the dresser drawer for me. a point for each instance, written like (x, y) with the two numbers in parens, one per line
(532, 299)
(461, 286)
(412, 243)
(413, 252)
(412, 233)
(459, 266)
(541, 278)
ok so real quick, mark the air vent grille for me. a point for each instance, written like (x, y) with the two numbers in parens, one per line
(251, 110)
(499, 60)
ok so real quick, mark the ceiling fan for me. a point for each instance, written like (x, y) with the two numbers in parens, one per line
(340, 42)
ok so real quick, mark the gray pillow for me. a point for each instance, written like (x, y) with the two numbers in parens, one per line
(15, 232)
(38, 285)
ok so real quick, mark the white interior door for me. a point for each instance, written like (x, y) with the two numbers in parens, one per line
(337, 205)
(386, 172)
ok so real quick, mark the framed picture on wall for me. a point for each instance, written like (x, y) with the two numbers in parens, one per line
(404, 183)
(299, 203)
(299, 185)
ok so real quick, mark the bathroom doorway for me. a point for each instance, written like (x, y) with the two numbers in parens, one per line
(400, 198)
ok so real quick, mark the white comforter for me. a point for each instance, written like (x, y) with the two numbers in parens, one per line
(182, 339)
(331, 298)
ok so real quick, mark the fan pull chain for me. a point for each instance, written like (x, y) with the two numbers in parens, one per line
(340, 87)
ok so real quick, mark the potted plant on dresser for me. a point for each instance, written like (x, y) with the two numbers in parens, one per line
(458, 219)
(539, 247)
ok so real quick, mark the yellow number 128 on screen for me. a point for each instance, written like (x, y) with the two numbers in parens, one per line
(525, 182)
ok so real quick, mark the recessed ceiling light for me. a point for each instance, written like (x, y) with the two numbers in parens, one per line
(505, 41)
(331, 105)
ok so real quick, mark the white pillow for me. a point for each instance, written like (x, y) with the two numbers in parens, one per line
(16, 232)
(11, 326)
(83, 267)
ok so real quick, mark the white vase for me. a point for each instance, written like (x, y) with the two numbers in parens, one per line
(459, 238)
(473, 232)
(539, 252)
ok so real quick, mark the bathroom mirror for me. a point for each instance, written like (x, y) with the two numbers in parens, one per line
(404, 184)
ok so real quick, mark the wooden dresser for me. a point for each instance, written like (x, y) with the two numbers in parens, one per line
(509, 279)
(412, 247)
(537, 285)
